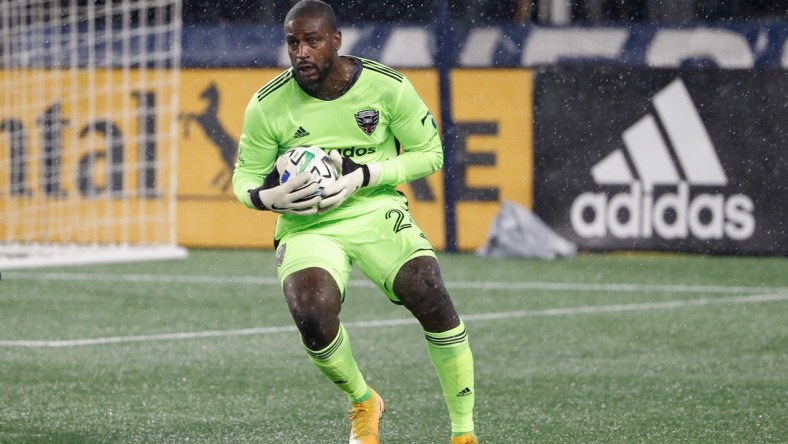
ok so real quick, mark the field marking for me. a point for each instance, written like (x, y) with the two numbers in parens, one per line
(568, 311)
(463, 285)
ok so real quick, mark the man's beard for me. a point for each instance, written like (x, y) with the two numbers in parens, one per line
(322, 75)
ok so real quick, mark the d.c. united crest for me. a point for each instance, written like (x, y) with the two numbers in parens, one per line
(367, 120)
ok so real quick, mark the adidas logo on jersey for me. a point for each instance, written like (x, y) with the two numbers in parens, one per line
(300, 132)
(464, 392)
(674, 212)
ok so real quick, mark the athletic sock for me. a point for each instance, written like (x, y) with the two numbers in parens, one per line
(337, 363)
(452, 358)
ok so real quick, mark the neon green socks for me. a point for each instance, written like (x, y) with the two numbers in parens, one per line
(449, 352)
(452, 358)
(337, 363)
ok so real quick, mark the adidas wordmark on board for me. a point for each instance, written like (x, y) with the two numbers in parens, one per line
(675, 213)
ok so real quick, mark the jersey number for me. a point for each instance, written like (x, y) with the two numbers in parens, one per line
(399, 217)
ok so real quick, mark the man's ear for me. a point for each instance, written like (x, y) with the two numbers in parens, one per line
(337, 40)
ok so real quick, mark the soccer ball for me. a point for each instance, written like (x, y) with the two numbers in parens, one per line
(307, 158)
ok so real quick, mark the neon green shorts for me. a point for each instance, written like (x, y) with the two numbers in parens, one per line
(379, 242)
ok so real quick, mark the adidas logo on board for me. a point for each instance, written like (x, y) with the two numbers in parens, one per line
(648, 162)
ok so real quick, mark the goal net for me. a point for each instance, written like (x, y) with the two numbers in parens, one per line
(88, 112)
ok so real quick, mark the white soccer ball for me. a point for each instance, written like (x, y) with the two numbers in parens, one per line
(307, 158)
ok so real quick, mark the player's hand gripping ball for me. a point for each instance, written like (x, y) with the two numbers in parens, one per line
(310, 159)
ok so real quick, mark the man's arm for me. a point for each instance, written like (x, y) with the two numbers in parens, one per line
(413, 125)
(255, 181)
(257, 153)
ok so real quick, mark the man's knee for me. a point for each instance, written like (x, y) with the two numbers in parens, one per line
(421, 277)
(312, 292)
(419, 286)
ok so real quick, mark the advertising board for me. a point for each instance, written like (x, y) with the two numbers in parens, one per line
(675, 160)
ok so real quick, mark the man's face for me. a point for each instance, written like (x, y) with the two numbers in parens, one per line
(312, 46)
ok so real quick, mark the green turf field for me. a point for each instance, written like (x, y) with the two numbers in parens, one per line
(594, 349)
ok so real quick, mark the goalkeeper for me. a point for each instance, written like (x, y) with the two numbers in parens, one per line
(379, 133)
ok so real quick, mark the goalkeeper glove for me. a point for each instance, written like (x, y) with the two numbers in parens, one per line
(296, 196)
(354, 176)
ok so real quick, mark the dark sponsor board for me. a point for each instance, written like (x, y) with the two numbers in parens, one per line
(670, 160)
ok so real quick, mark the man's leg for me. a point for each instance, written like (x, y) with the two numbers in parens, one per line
(420, 288)
(314, 300)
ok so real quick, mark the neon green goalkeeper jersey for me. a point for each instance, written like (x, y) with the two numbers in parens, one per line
(379, 118)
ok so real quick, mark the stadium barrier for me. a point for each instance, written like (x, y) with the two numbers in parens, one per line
(708, 194)
(613, 169)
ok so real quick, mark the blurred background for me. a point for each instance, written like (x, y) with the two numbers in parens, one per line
(499, 11)
(621, 124)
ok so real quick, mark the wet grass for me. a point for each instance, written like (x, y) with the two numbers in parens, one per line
(594, 349)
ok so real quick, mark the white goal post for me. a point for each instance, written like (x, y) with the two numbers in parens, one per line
(88, 131)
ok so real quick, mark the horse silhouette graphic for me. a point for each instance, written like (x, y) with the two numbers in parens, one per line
(209, 121)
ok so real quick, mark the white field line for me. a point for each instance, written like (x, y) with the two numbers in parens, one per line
(463, 285)
(568, 311)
